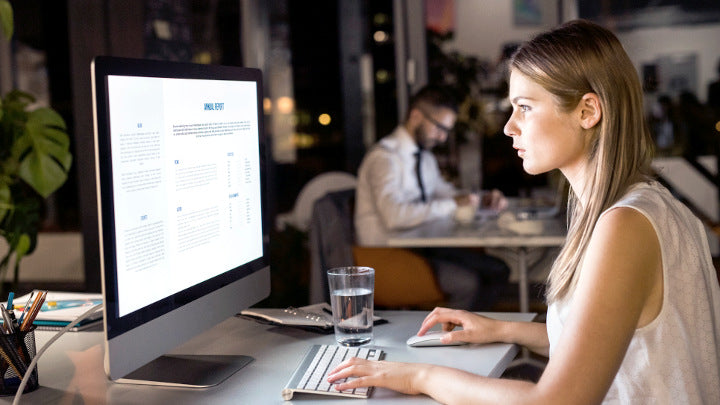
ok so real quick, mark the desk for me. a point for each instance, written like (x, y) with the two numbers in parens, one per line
(71, 371)
(482, 233)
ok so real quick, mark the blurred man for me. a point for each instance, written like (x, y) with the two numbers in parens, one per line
(400, 186)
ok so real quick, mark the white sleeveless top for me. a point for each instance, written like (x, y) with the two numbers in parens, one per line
(675, 359)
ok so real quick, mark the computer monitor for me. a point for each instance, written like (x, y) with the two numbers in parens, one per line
(181, 188)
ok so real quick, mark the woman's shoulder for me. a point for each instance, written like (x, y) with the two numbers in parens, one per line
(652, 200)
(655, 199)
(645, 201)
(646, 195)
(624, 219)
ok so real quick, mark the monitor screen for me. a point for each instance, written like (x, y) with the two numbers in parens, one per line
(181, 201)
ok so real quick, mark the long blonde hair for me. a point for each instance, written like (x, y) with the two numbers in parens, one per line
(574, 59)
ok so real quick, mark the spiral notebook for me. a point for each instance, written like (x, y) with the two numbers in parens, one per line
(316, 317)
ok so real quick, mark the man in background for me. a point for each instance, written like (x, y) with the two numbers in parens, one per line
(400, 186)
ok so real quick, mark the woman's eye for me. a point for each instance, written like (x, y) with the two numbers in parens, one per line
(524, 108)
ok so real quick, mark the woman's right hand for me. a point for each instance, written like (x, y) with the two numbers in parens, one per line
(475, 328)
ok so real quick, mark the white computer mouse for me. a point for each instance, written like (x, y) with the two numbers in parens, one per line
(429, 339)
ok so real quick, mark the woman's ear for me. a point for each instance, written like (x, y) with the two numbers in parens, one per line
(590, 110)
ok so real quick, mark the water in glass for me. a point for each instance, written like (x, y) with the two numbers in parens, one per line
(353, 315)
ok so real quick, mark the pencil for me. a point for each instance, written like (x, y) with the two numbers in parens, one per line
(11, 363)
(34, 309)
(34, 312)
(27, 311)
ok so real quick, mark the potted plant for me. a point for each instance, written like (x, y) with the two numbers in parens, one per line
(463, 75)
(34, 162)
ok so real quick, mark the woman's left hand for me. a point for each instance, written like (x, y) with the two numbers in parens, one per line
(401, 377)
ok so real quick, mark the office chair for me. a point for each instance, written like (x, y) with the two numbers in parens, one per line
(403, 279)
(318, 186)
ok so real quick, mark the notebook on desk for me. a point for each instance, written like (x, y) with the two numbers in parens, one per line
(315, 317)
(60, 308)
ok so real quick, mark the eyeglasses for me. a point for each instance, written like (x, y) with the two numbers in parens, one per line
(435, 122)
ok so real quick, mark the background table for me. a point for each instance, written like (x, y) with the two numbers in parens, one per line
(71, 371)
(484, 233)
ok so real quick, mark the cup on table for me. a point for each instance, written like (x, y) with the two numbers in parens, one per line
(465, 214)
(351, 297)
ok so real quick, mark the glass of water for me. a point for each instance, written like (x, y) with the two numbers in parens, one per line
(351, 296)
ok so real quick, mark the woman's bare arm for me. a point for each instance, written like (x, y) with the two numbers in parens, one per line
(615, 294)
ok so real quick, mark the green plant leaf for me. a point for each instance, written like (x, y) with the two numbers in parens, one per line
(24, 219)
(6, 18)
(12, 124)
(44, 151)
(5, 201)
(22, 247)
(42, 173)
(19, 97)
(47, 116)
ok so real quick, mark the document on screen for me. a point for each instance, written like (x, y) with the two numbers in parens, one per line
(175, 143)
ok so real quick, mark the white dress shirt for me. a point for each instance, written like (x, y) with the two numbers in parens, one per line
(388, 193)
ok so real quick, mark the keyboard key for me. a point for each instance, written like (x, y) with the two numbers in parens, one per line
(311, 374)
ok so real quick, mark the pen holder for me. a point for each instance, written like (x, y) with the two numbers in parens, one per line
(17, 350)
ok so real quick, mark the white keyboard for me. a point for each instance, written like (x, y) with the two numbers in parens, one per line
(311, 375)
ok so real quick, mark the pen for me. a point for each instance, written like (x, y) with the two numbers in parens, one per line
(7, 322)
(10, 310)
(26, 307)
(11, 296)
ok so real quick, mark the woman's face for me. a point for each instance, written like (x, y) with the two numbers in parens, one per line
(545, 137)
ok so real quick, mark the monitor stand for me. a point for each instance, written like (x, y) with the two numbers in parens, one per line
(194, 370)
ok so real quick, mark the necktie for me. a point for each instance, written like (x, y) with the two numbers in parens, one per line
(418, 160)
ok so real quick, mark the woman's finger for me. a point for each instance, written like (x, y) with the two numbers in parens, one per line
(345, 369)
(355, 382)
(441, 316)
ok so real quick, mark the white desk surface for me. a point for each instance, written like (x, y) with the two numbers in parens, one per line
(481, 233)
(71, 371)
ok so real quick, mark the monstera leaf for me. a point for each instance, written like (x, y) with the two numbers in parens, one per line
(43, 151)
(34, 162)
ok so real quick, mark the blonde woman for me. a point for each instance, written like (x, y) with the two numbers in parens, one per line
(634, 302)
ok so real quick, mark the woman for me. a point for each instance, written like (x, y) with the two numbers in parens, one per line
(634, 302)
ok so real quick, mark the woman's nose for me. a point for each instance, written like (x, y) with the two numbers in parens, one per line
(510, 129)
